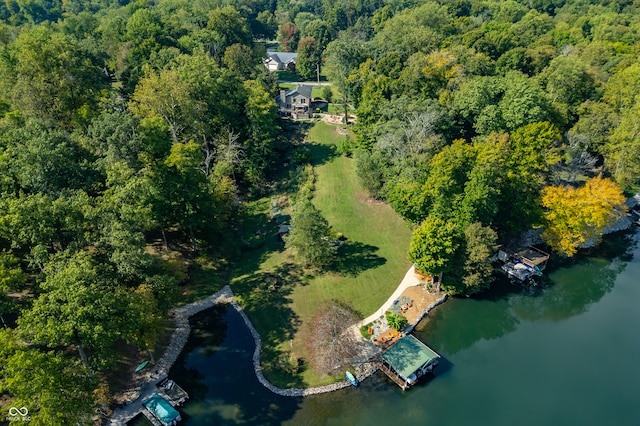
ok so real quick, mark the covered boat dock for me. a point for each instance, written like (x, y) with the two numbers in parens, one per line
(524, 264)
(161, 410)
(407, 361)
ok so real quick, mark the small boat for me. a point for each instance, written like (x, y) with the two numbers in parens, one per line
(140, 367)
(352, 379)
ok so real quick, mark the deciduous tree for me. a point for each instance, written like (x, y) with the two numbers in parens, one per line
(575, 215)
(78, 306)
(480, 244)
(55, 389)
(331, 346)
(309, 57)
(433, 246)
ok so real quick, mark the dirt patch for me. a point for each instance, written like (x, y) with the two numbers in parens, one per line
(421, 300)
(337, 119)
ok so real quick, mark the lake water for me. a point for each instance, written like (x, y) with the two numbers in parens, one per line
(565, 354)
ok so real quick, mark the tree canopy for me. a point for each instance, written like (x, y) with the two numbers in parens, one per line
(130, 133)
(120, 126)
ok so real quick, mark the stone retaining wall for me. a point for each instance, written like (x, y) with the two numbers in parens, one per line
(180, 336)
(182, 330)
(181, 333)
(362, 372)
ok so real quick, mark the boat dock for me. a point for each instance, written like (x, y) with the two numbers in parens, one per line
(391, 374)
(406, 361)
(162, 389)
(523, 264)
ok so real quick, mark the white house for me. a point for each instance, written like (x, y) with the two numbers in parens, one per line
(280, 60)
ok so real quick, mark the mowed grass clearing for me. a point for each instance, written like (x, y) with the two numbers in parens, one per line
(374, 260)
(385, 236)
(370, 265)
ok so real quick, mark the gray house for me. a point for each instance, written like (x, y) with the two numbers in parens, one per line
(280, 60)
(296, 102)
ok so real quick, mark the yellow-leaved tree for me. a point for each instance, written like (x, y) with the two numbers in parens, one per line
(575, 215)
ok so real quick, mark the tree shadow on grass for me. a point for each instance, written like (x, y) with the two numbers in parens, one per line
(354, 258)
(256, 238)
(264, 296)
(320, 154)
(294, 131)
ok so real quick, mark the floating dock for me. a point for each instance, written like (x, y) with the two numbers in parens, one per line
(162, 396)
(173, 393)
(523, 264)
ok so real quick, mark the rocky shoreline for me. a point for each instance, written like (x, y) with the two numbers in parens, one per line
(145, 383)
(425, 312)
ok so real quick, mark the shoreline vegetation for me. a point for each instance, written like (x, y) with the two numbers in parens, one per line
(181, 315)
(145, 163)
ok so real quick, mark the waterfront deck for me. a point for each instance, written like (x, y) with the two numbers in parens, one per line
(175, 396)
(391, 375)
(406, 361)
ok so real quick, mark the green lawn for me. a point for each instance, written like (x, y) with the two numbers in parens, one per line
(281, 298)
(378, 239)
(318, 90)
(374, 260)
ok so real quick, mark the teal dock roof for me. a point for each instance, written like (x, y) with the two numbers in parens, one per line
(161, 408)
(409, 355)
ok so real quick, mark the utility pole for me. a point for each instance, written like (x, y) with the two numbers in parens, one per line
(318, 72)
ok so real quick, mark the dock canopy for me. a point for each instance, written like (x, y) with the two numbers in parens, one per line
(162, 409)
(408, 356)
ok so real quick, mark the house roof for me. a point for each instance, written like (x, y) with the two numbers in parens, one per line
(408, 355)
(303, 89)
(283, 57)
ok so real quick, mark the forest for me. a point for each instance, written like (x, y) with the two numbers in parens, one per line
(128, 127)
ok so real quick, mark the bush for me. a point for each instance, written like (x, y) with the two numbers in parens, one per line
(302, 155)
(345, 146)
(396, 321)
(288, 364)
(327, 93)
(364, 330)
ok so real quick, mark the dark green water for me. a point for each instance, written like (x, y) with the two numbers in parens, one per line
(568, 354)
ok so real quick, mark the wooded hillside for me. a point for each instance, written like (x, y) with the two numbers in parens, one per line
(129, 126)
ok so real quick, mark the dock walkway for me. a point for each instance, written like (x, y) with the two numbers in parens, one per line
(122, 415)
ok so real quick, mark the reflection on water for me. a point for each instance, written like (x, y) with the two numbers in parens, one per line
(566, 292)
(565, 355)
(216, 370)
